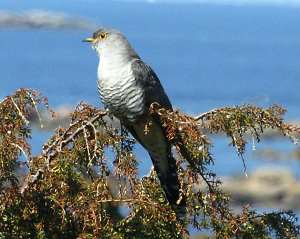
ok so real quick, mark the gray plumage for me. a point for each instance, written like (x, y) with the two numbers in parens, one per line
(127, 88)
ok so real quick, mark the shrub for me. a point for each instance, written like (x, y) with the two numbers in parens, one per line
(73, 191)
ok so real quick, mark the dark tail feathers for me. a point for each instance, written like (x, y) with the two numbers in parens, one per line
(170, 183)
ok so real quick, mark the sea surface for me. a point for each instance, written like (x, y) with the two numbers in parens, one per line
(206, 55)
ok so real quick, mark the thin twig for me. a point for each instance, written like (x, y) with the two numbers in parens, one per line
(21, 149)
(36, 109)
(47, 152)
(87, 146)
(244, 165)
(95, 138)
(19, 111)
(205, 114)
(2, 101)
(71, 137)
(61, 207)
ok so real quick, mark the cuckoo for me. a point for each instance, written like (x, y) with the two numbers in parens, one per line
(127, 88)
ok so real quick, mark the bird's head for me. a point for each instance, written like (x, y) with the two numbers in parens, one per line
(110, 42)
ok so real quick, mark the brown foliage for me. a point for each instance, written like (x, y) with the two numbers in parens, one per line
(88, 171)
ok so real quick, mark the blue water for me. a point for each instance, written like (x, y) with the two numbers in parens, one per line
(206, 56)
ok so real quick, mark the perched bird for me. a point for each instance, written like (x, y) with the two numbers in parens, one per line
(127, 88)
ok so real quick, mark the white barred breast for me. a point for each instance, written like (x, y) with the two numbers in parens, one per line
(119, 90)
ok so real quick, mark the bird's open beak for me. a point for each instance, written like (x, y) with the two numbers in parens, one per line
(89, 39)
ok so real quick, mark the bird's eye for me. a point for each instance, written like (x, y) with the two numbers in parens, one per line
(103, 35)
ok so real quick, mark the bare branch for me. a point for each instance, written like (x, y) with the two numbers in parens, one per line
(206, 114)
(22, 150)
(19, 111)
(36, 109)
(51, 151)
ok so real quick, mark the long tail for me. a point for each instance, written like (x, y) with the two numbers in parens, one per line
(159, 149)
(166, 171)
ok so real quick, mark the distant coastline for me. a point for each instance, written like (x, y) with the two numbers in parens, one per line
(277, 3)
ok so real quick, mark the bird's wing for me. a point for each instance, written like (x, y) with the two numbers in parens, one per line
(155, 140)
(148, 80)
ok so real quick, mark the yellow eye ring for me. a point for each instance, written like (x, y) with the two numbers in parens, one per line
(103, 35)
